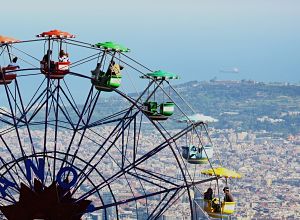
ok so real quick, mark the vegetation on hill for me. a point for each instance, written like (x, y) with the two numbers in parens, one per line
(246, 105)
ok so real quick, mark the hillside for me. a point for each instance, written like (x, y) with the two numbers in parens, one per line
(246, 105)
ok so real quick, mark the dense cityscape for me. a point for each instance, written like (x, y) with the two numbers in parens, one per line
(267, 160)
(269, 188)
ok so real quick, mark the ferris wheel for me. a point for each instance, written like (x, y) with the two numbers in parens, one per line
(76, 145)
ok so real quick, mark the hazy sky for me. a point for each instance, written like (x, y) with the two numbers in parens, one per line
(194, 38)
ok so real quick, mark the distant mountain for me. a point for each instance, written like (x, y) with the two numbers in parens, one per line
(246, 105)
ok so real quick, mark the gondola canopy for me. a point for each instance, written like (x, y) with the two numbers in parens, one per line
(221, 172)
(160, 74)
(56, 34)
(109, 45)
(7, 40)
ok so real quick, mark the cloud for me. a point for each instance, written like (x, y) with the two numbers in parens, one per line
(199, 117)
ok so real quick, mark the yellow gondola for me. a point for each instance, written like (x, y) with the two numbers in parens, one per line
(226, 208)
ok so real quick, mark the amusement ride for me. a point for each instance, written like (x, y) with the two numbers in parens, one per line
(76, 145)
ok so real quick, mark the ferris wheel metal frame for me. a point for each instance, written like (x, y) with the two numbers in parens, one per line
(54, 100)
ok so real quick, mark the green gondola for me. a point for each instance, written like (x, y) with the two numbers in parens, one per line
(107, 83)
(111, 79)
(165, 110)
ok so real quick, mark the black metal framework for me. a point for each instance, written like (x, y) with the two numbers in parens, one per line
(124, 161)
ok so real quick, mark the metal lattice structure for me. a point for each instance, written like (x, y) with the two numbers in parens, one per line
(109, 156)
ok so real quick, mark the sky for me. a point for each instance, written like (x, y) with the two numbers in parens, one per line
(198, 39)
